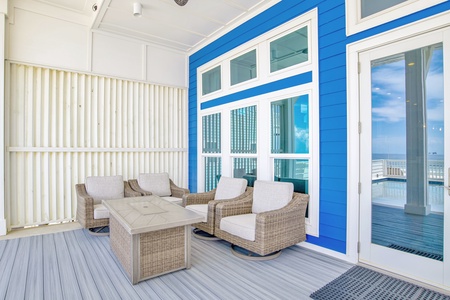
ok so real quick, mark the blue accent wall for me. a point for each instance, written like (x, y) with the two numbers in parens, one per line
(332, 97)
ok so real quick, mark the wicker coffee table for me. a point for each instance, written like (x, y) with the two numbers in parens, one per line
(150, 236)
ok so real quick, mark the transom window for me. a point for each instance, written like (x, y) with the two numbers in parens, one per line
(243, 68)
(211, 81)
(365, 14)
(289, 50)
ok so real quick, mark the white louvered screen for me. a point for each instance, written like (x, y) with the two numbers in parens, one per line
(64, 126)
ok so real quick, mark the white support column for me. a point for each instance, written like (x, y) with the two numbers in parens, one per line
(3, 11)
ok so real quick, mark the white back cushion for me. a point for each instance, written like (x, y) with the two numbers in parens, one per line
(157, 183)
(230, 188)
(271, 195)
(105, 188)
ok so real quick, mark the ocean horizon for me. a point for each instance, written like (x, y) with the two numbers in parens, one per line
(431, 156)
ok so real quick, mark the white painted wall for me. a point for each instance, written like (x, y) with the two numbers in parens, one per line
(38, 38)
(34, 34)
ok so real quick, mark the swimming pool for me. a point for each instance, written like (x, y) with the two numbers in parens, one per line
(393, 193)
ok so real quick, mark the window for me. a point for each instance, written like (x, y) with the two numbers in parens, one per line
(289, 50)
(290, 125)
(365, 14)
(370, 7)
(213, 169)
(211, 133)
(211, 81)
(211, 144)
(293, 170)
(243, 130)
(267, 132)
(244, 167)
(243, 68)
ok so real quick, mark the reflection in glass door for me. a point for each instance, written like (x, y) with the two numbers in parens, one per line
(408, 151)
(403, 159)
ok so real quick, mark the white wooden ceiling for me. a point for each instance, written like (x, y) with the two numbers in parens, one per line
(165, 23)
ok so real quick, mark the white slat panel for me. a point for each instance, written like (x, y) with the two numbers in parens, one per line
(65, 126)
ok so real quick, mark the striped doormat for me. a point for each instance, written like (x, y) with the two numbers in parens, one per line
(363, 283)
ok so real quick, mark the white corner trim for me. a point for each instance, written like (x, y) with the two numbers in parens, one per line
(2, 227)
(328, 252)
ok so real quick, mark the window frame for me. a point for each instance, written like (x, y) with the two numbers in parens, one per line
(265, 160)
(357, 24)
(257, 66)
(221, 80)
(283, 34)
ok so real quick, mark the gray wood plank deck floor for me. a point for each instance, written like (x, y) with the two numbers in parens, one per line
(76, 265)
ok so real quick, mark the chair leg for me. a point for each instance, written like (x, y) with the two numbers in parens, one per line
(202, 235)
(99, 231)
(249, 255)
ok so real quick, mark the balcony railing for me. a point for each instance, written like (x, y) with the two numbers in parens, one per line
(394, 168)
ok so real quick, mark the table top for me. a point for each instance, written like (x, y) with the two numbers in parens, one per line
(149, 213)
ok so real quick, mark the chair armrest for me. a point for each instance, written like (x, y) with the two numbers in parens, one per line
(83, 197)
(240, 206)
(129, 192)
(177, 191)
(212, 205)
(283, 221)
(85, 205)
(134, 185)
(198, 198)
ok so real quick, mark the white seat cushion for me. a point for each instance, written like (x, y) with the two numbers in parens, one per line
(240, 225)
(229, 188)
(174, 200)
(105, 188)
(157, 183)
(201, 209)
(271, 195)
(100, 212)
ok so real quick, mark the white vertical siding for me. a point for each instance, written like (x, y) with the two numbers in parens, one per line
(63, 126)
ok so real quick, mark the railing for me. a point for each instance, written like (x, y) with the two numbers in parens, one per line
(393, 168)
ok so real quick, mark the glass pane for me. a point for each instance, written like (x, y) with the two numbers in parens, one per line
(213, 169)
(295, 171)
(408, 152)
(211, 133)
(245, 168)
(243, 68)
(211, 81)
(370, 7)
(243, 130)
(290, 125)
(289, 50)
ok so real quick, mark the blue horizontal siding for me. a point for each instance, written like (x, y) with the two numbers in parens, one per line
(332, 98)
(261, 90)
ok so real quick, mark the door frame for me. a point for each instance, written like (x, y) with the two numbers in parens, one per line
(433, 24)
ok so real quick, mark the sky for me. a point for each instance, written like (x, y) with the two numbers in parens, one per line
(389, 112)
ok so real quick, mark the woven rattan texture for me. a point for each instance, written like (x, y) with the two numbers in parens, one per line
(275, 230)
(162, 251)
(208, 198)
(121, 244)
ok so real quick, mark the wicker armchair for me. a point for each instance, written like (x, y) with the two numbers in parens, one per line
(158, 184)
(228, 189)
(91, 214)
(274, 229)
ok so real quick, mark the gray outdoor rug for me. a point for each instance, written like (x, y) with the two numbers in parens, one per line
(363, 283)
